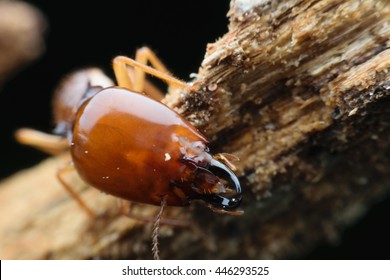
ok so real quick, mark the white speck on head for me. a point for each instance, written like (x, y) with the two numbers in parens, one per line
(167, 156)
(85, 152)
(117, 168)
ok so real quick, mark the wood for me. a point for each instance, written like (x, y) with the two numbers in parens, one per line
(299, 91)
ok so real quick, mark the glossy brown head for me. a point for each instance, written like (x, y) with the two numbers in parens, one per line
(136, 148)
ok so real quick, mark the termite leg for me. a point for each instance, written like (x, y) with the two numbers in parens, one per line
(48, 143)
(143, 56)
(72, 192)
(148, 88)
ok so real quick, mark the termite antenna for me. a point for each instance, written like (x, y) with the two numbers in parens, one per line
(156, 229)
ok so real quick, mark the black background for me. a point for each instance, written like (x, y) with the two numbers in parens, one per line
(80, 36)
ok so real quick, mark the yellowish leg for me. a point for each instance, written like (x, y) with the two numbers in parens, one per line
(72, 192)
(148, 88)
(48, 143)
(54, 145)
(143, 56)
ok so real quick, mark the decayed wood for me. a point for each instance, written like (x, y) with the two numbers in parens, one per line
(299, 90)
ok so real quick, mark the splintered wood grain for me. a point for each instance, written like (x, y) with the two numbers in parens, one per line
(282, 71)
(300, 92)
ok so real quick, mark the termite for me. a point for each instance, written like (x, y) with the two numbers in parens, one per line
(132, 146)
